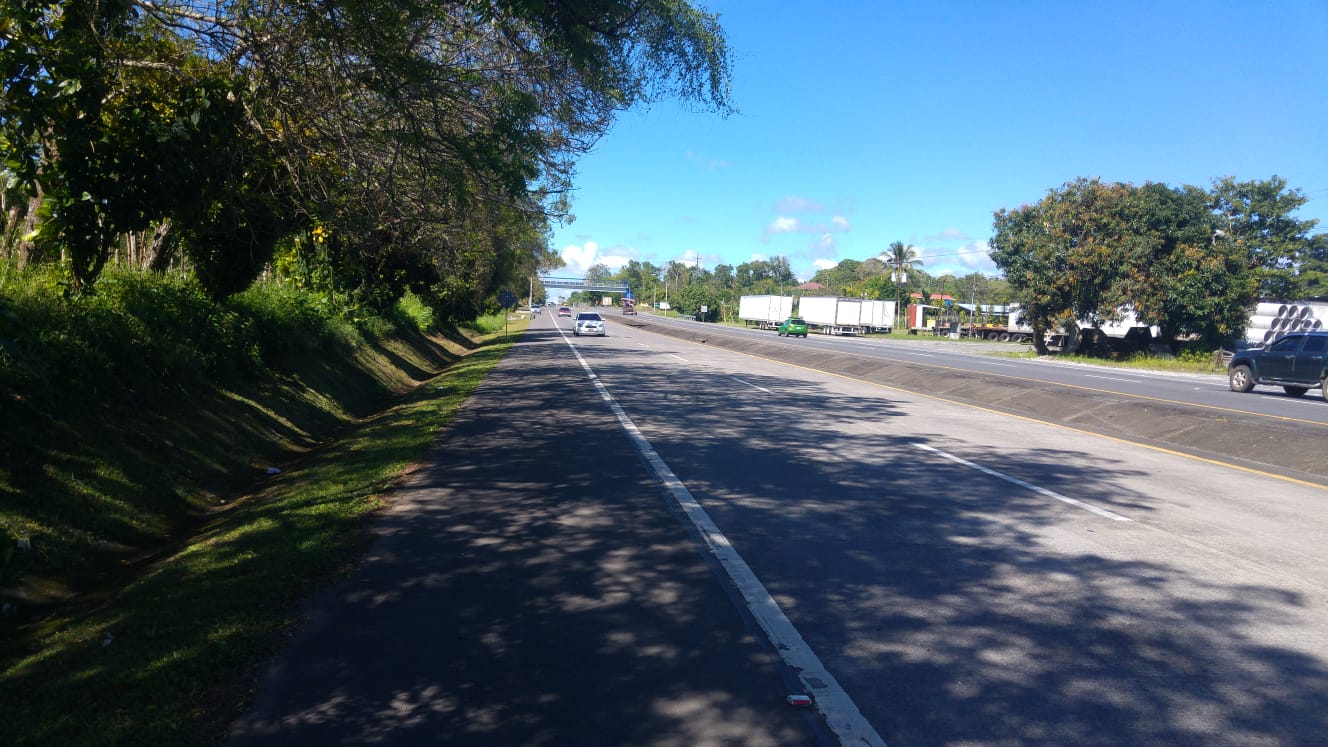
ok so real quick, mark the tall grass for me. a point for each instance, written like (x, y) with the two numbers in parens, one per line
(489, 324)
(152, 443)
(120, 407)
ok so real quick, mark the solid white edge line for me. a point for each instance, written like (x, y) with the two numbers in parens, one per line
(1023, 484)
(841, 714)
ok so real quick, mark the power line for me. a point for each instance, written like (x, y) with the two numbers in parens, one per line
(959, 253)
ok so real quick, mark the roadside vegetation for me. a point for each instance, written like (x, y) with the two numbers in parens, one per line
(176, 473)
(1190, 359)
(1186, 361)
(1189, 261)
(239, 248)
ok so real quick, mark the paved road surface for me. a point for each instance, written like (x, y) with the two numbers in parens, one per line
(966, 576)
(530, 587)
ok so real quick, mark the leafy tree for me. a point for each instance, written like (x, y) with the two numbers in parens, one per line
(1088, 251)
(840, 278)
(1022, 247)
(1179, 274)
(379, 146)
(677, 275)
(1256, 215)
(764, 276)
(724, 276)
(877, 288)
(1312, 268)
(691, 298)
(643, 278)
(598, 274)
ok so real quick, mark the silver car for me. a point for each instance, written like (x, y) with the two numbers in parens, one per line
(588, 323)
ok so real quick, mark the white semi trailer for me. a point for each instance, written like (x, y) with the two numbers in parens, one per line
(845, 316)
(765, 312)
(878, 316)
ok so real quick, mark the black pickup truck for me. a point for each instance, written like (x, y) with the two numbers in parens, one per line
(1294, 362)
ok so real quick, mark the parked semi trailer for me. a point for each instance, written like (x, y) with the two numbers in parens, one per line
(846, 316)
(1129, 329)
(765, 312)
(878, 316)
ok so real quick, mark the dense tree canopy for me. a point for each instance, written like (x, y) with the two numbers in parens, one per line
(1188, 261)
(372, 147)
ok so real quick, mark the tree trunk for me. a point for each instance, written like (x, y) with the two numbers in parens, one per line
(162, 247)
(1039, 339)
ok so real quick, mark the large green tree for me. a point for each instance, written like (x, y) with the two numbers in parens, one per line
(420, 144)
(764, 276)
(1057, 254)
(1178, 273)
(1257, 216)
(1090, 252)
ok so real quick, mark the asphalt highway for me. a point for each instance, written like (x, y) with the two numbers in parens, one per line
(640, 539)
(972, 578)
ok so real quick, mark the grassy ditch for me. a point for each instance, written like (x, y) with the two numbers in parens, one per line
(1201, 362)
(161, 561)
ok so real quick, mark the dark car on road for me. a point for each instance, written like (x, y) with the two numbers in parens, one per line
(793, 327)
(1294, 362)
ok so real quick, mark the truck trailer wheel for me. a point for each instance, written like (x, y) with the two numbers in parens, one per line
(1242, 379)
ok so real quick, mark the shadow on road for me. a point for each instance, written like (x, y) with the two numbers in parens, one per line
(931, 590)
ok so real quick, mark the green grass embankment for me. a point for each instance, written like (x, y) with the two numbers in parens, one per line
(152, 554)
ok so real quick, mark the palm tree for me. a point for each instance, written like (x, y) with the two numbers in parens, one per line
(902, 258)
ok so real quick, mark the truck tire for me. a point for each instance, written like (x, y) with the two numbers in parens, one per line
(1324, 388)
(1242, 379)
(1296, 391)
(1005, 337)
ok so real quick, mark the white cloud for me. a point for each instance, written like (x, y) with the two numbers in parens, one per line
(839, 222)
(973, 256)
(581, 258)
(825, 264)
(711, 164)
(782, 224)
(949, 234)
(976, 256)
(825, 244)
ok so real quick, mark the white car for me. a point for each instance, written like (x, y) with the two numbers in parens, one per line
(589, 323)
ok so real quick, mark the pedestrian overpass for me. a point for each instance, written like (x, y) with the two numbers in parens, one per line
(583, 284)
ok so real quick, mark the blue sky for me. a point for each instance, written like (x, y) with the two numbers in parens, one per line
(863, 123)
